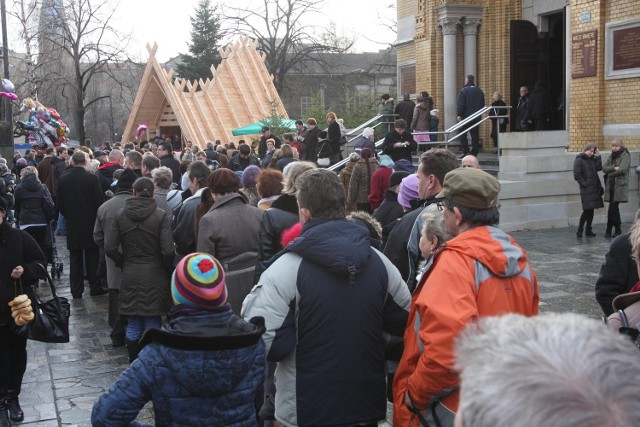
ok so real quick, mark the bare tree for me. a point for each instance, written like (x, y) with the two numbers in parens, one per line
(87, 45)
(283, 31)
(25, 12)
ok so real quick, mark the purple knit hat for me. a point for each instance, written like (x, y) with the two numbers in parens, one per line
(408, 191)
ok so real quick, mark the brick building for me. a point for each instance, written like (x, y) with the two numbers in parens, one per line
(586, 51)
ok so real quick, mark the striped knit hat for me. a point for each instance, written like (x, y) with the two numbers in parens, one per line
(198, 280)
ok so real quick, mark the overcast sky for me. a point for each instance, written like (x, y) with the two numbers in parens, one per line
(167, 23)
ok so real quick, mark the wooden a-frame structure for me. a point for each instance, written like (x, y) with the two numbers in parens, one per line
(240, 92)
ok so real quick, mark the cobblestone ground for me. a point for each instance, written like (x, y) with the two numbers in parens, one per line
(63, 380)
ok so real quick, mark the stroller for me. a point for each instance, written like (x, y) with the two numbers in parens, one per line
(54, 258)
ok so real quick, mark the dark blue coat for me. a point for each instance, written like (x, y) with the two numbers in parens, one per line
(200, 370)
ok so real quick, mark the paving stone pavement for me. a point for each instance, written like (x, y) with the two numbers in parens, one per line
(64, 380)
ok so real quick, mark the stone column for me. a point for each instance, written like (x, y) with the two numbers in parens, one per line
(449, 30)
(470, 30)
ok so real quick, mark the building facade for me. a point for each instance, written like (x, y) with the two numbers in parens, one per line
(586, 52)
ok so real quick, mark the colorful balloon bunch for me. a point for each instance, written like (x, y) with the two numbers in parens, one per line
(44, 122)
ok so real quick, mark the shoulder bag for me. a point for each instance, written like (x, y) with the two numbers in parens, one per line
(51, 322)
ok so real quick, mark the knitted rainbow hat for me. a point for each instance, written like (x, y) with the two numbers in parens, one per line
(198, 280)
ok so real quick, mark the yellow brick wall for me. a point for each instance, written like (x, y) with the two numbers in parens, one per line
(621, 96)
(594, 101)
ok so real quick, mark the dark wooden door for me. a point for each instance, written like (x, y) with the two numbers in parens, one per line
(528, 62)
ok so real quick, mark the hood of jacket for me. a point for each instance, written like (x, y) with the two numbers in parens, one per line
(493, 248)
(139, 208)
(211, 332)
(31, 183)
(339, 246)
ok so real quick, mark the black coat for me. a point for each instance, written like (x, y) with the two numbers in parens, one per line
(396, 247)
(585, 171)
(29, 201)
(388, 213)
(618, 273)
(174, 165)
(404, 110)
(17, 248)
(540, 105)
(310, 143)
(262, 146)
(282, 214)
(522, 110)
(79, 197)
(399, 153)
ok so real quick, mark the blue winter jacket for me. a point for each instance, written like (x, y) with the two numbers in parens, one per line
(200, 370)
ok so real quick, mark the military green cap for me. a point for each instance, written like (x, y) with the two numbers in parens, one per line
(470, 188)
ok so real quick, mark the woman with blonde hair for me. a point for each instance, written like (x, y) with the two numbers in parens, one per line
(616, 170)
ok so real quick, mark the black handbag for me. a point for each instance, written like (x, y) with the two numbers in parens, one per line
(51, 322)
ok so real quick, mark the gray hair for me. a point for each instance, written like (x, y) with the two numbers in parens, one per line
(28, 170)
(291, 172)
(433, 226)
(552, 370)
(92, 166)
(162, 177)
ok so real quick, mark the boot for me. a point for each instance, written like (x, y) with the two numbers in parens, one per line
(589, 233)
(618, 228)
(579, 232)
(607, 234)
(133, 348)
(4, 415)
(15, 411)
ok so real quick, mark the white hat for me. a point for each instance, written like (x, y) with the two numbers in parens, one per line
(434, 112)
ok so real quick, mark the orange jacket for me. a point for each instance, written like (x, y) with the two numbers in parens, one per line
(480, 272)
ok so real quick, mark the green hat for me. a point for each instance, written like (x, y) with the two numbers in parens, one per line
(470, 188)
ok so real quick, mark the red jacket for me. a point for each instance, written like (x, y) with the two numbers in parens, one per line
(379, 185)
(480, 272)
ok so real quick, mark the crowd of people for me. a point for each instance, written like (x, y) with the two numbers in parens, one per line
(251, 285)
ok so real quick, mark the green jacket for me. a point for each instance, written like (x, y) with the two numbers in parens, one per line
(618, 180)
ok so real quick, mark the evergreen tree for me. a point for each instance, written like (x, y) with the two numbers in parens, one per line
(206, 35)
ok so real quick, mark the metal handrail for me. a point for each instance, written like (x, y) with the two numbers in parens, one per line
(446, 133)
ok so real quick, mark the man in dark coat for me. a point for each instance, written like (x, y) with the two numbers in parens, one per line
(79, 197)
(106, 170)
(405, 108)
(540, 107)
(522, 109)
(165, 154)
(470, 100)
(399, 144)
(243, 159)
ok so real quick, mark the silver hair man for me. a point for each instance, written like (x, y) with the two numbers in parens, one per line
(554, 370)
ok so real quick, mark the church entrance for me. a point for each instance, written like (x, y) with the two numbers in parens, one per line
(540, 55)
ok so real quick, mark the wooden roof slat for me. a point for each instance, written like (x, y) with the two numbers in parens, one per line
(209, 108)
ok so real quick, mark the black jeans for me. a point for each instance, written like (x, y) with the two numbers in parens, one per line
(586, 217)
(475, 138)
(613, 213)
(78, 261)
(13, 362)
